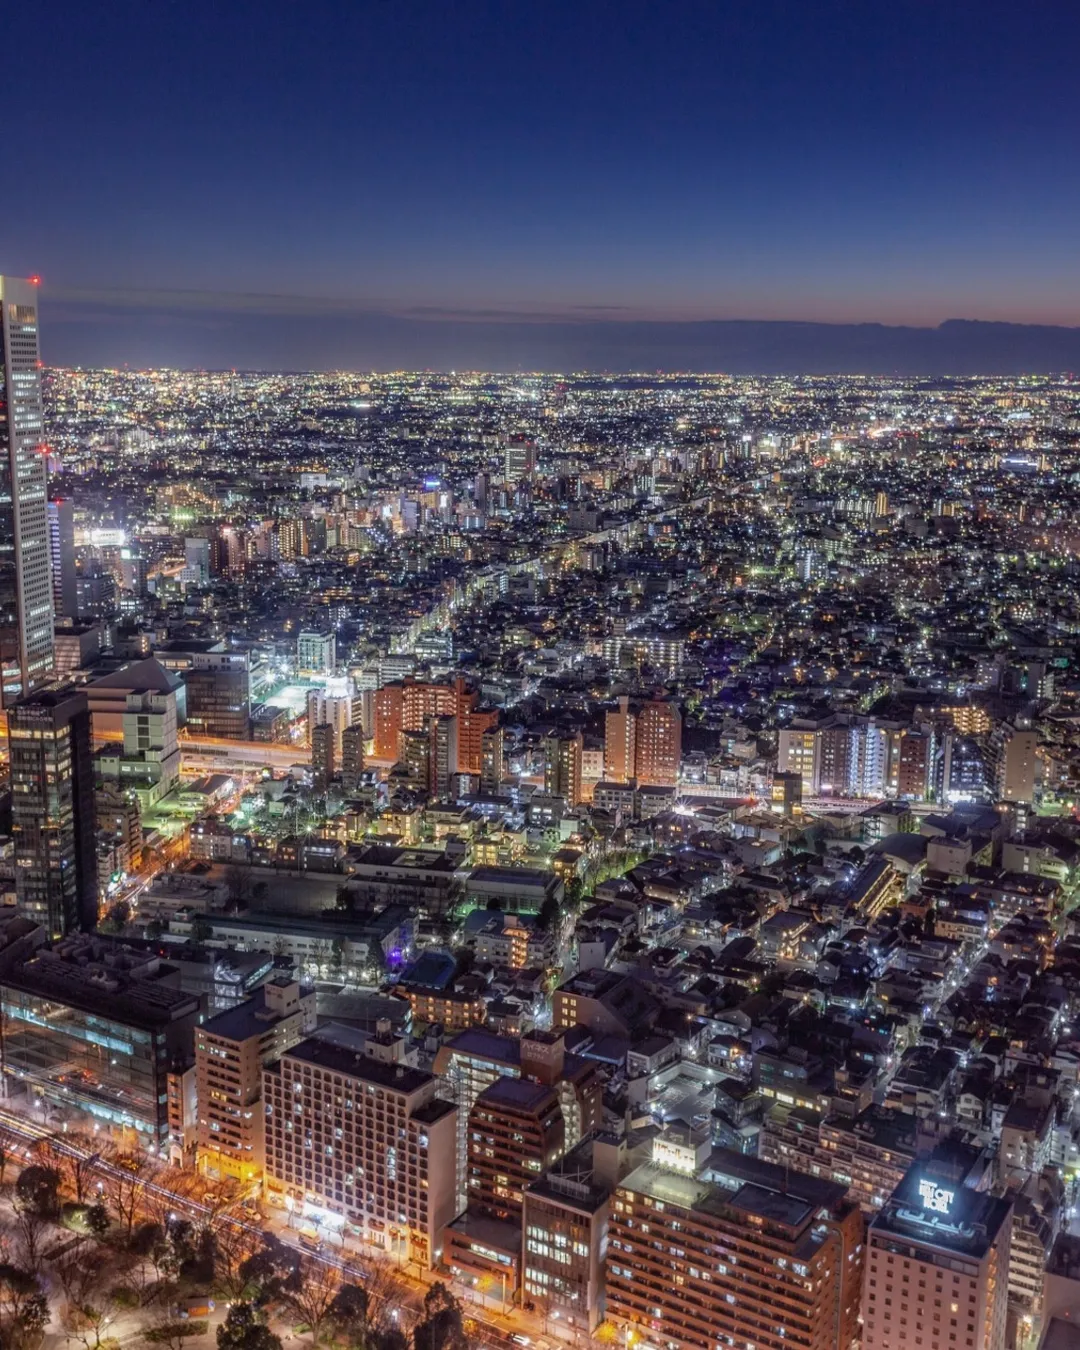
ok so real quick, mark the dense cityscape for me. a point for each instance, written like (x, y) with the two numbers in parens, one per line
(526, 860)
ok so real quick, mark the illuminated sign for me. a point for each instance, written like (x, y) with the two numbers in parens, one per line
(935, 1198)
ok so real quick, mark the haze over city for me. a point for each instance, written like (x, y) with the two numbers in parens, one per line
(380, 186)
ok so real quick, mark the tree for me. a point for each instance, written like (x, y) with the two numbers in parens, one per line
(173, 1332)
(125, 1185)
(155, 929)
(441, 1325)
(548, 918)
(118, 917)
(37, 1189)
(90, 1304)
(311, 1294)
(244, 1329)
(201, 930)
(97, 1219)
(30, 1230)
(268, 1268)
(24, 1308)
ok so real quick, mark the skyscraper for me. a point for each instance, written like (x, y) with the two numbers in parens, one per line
(562, 767)
(53, 822)
(62, 545)
(26, 593)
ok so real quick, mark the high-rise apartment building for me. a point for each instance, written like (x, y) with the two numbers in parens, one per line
(937, 1265)
(352, 757)
(363, 1143)
(658, 744)
(620, 739)
(53, 823)
(26, 578)
(739, 1253)
(407, 705)
(491, 760)
(231, 1051)
(323, 758)
(316, 652)
(335, 706)
(562, 767)
(443, 756)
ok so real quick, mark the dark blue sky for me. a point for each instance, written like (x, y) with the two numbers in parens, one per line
(191, 170)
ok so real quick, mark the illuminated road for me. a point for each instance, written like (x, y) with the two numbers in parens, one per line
(26, 1133)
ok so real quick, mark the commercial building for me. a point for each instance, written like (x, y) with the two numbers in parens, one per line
(26, 578)
(148, 765)
(219, 695)
(620, 740)
(738, 1253)
(937, 1265)
(332, 706)
(352, 757)
(231, 1051)
(91, 1034)
(362, 1147)
(53, 823)
(62, 548)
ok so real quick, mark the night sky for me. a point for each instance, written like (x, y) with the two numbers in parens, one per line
(304, 184)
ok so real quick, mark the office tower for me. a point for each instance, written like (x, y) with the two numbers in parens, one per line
(733, 1253)
(26, 593)
(658, 744)
(52, 781)
(323, 759)
(231, 1051)
(363, 1142)
(316, 652)
(62, 547)
(92, 1039)
(620, 737)
(134, 570)
(219, 695)
(443, 757)
(491, 760)
(562, 767)
(519, 458)
(937, 1264)
(95, 590)
(352, 757)
(333, 705)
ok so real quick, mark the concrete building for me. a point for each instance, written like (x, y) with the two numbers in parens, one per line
(148, 764)
(741, 1254)
(937, 1265)
(363, 1148)
(26, 578)
(53, 819)
(316, 653)
(231, 1051)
